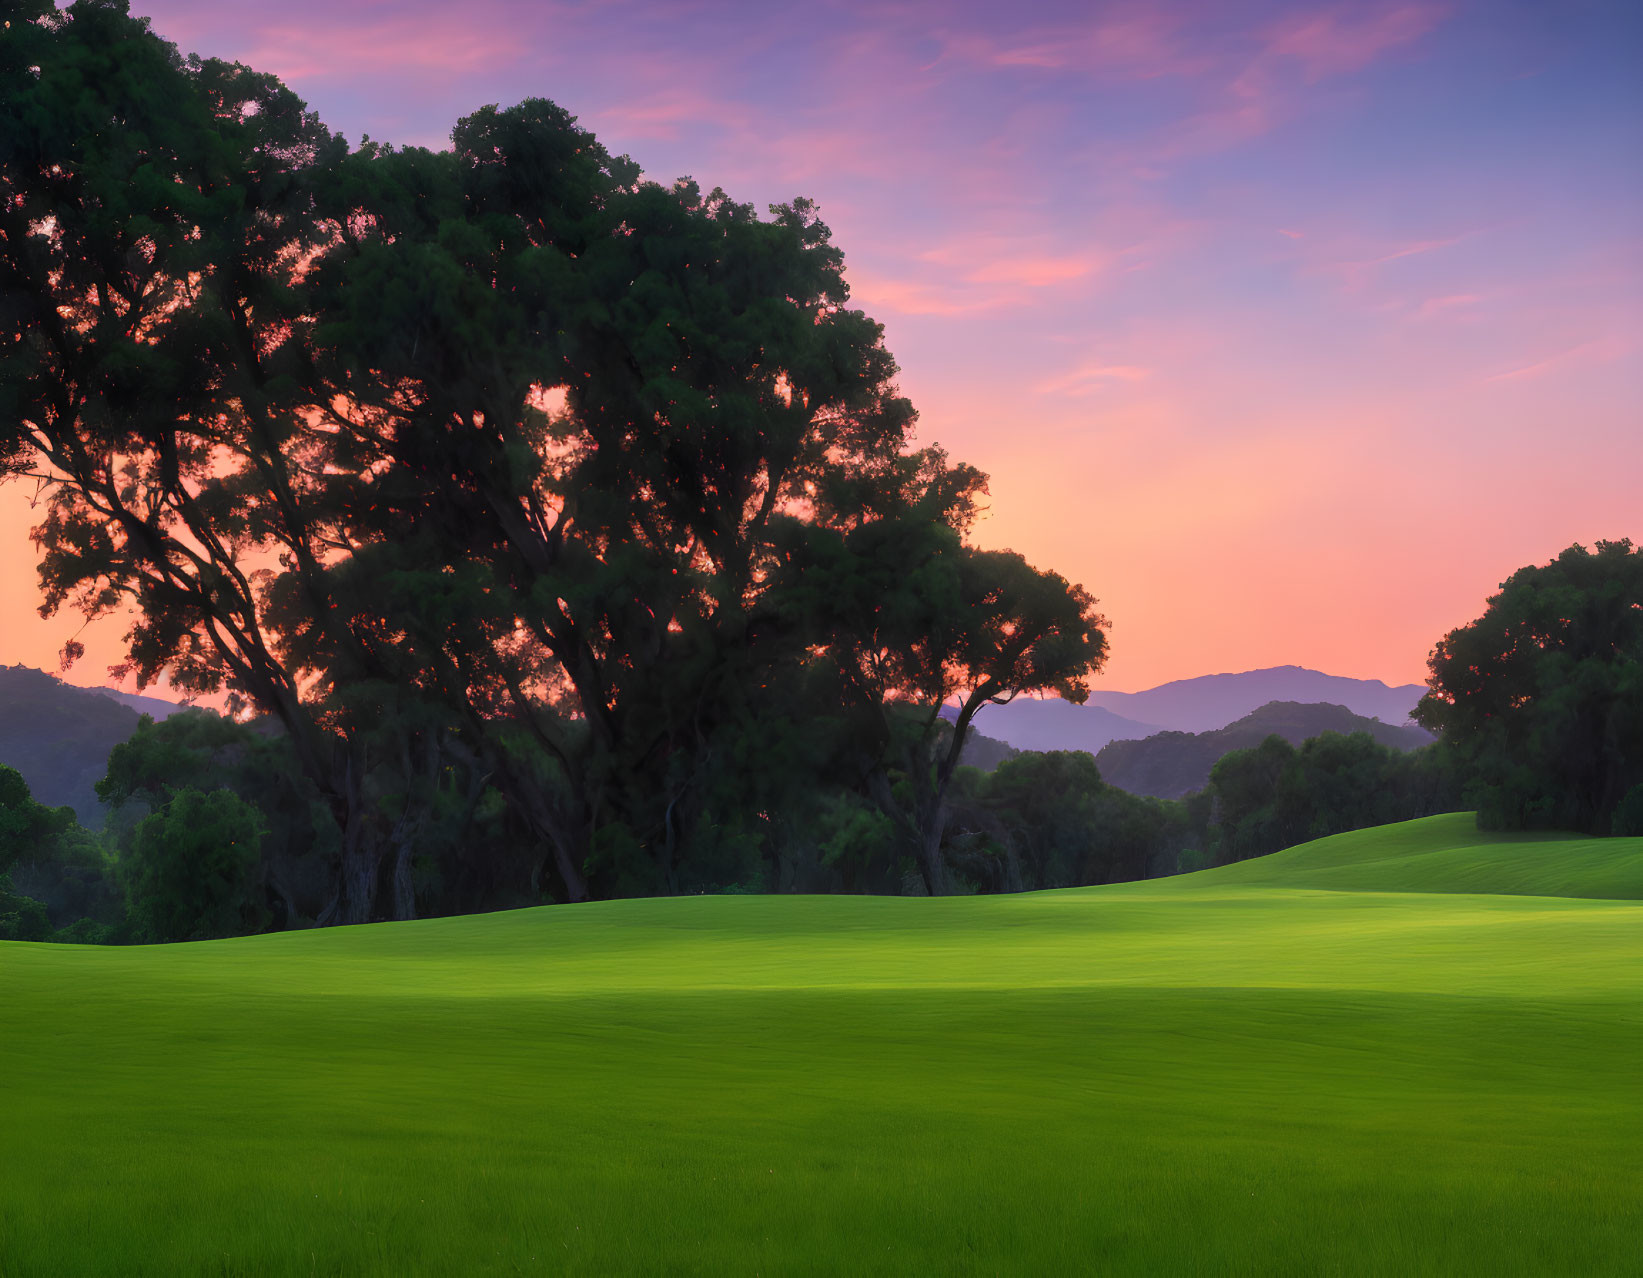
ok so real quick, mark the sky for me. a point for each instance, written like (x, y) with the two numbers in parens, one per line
(1289, 330)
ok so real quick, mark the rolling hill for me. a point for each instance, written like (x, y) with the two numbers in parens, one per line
(1172, 764)
(1449, 854)
(1238, 1071)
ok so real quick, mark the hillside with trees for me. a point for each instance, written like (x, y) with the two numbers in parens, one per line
(58, 738)
(1171, 765)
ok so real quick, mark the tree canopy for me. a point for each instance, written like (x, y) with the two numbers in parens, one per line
(1542, 696)
(494, 468)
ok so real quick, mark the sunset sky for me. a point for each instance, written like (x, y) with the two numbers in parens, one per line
(1289, 330)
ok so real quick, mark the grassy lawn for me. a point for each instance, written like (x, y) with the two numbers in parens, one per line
(1408, 1050)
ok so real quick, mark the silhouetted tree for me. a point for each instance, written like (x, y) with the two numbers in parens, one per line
(494, 467)
(157, 219)
(913, 618)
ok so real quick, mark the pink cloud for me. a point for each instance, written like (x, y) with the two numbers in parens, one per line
(1455, 301)
(1597, 352)
(1355, 264)
(1014, 263)
(1141, 44)
(1261, 94)
(1032, 272)
(1339, 40)
(1090, 378)
(1410, 250)
(1250, 104)
(661, 115)
(912, 297)
(444, 44)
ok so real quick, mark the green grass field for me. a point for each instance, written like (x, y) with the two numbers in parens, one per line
(1412, 1050)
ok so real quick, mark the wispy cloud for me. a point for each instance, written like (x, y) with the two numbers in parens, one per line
(1089, 378)
(446, 43)
(1344, 38)
(1140, 42)
(1032, 272)
(1252, 95)
(1355, 261)
(1407, 250)
(1442, 305)
(1595, 352)
(917, 297)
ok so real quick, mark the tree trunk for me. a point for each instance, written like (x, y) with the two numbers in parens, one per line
(361, 861)
(361, 849)
(565, 860)
(565, 837)
(931, 862)
(404, 892)
(420, 788)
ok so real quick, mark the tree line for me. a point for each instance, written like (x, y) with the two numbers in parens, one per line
(216, 829)
(213, 829)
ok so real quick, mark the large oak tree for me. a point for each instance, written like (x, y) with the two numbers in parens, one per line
(500, 458)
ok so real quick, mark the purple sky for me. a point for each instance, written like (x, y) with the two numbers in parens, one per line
(1287, 329)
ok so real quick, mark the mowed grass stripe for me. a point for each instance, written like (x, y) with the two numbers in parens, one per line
(1183, 1077)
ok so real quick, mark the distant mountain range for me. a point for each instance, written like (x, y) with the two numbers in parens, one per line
(1208, 702)
(1054, 724)
(1213, 701)
(58, 736)
(1172, 764)
(1187, 705)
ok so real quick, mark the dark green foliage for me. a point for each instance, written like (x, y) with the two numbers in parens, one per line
(916, 620)
(201, 750)
(1047, 820)
(28, 829)
(1274, 795)
(1628, 813)
(22, 918)
(1541, 698)
(493, 468)
(191, 870)
(52, 872)
(1244, 786)
(74, 878)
